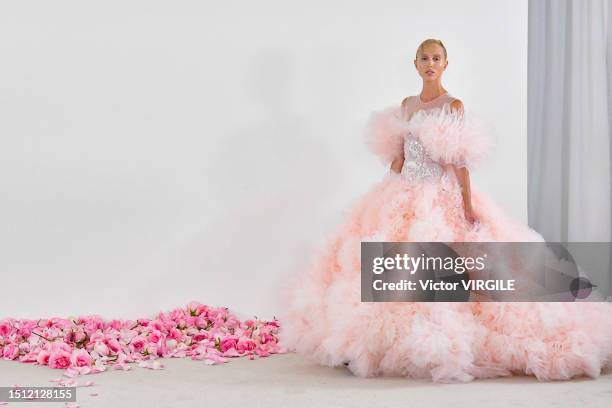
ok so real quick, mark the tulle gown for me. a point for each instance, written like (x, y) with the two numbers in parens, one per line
(325, 320)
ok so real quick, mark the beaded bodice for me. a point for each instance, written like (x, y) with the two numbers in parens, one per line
(418, 166)
(417, 163)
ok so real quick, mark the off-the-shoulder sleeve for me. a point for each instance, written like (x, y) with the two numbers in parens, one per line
(451, 137)
(385, 133)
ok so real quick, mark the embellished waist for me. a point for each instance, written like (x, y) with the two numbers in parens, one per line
(418, 166)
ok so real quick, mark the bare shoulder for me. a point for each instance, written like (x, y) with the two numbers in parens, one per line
(457, 106)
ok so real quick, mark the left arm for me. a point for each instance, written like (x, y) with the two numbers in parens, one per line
(463, 175)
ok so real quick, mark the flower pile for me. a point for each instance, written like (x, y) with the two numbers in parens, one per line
(90, 344)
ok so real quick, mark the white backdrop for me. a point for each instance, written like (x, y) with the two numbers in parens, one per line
(153, 153)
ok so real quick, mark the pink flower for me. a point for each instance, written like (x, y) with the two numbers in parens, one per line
(155, 336)
(175, 334)
(5, 328)
(122, 358)
(77, 343)
(43, 357)
(80, 358)
(228, 343)
(247, 345)
(24, 347)
(113, 345)
(60, 346)
(273, 324)
(59, 359)
(154, 349)
(181, 324)
(116, 324)
(196, 309)
(201, 322)
(11, 351)
(144, 322)
(101, 349)
(79, 337)
(158, 325)
(138, 344)
(200, 336)
(266, 337)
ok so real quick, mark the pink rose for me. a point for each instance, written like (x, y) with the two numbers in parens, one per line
(144, 322)
(228, 343)
(175, 334)
(60, 346)
(97, 336)
(101, 349)
(266, 337)
(43, 357)
(5, 328)
(115, 324)
(59, 359)
(196, 309)
(158, 325)
(155, 349)
(138, 344)
(80, 358)
(177, 315)
(24, 347)
(122, 358)
(247, 345)
(113, 345)
(181, 323)
(155, 336)
(200, 336)
(201, 322)
(11, 351)
(79, 337)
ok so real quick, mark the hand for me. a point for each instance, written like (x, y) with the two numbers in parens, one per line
(469, 215)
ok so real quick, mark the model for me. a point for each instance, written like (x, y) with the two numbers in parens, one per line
(431, 147)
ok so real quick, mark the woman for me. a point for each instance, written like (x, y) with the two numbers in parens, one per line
(426, 197)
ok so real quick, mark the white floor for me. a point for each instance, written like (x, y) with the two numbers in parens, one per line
(282, 380)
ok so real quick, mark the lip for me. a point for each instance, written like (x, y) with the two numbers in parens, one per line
(429, 72)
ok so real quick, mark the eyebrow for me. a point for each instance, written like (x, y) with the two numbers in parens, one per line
(435, 55)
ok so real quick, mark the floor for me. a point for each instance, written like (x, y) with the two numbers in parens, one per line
(288, 379)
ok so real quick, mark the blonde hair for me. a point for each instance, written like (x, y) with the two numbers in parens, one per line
(431, 41)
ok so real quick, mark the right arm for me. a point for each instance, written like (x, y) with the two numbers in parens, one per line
(397, 164)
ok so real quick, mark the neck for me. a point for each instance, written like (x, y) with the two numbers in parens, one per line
(431, 90)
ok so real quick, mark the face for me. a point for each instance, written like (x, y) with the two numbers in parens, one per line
(430, 62)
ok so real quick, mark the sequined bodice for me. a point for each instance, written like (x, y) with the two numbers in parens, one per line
(418, 165)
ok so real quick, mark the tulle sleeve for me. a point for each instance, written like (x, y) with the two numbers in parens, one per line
(451, 137)
(385, 133)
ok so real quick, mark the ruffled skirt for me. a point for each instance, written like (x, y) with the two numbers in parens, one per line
(326, 321)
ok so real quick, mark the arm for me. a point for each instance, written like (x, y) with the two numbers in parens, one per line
(398, 163)
(463, 175)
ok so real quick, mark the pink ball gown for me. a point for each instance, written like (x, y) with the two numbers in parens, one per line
(325, 320)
